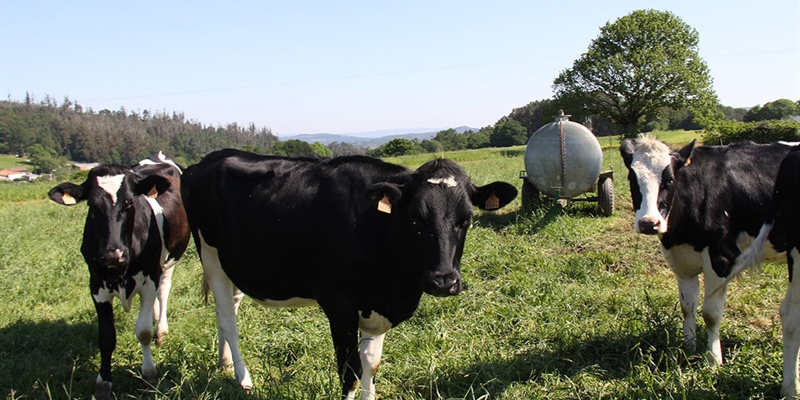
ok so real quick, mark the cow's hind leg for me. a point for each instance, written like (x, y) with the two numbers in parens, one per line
(716, 288)
(790, 323)
(144, 329)
(226, 300)
(160, 306)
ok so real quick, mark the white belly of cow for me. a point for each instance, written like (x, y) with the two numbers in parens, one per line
(293, 302)
(685, 261)
(374, 325)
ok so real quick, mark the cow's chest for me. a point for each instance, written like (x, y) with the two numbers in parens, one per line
(124, 290)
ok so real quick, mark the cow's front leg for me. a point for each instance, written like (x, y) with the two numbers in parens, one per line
(160, 306)
(107, 341)
(144, 329)
(344, 331)
(790, 323)
(716, 288)
(689, 292)
(371, 350)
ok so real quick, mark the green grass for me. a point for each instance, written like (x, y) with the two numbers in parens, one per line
(557, 305)
(7, 161)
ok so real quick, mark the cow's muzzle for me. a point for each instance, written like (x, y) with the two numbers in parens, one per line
(114, 258)
(650, 225)
(443, 284)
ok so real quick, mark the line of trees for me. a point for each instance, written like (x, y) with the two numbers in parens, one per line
(119, 136)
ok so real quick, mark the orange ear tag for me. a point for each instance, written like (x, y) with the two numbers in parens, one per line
(153, 193)
(492, 203)
(67, 199)
(688, 161)
(384, 205)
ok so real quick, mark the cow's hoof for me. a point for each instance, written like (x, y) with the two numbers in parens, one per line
(151, 378)
(102, 390)
(246, 383)
(162, 336)
(713, 360)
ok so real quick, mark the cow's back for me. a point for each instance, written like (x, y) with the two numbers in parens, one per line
(175, 228)
(282, 222)
(722, 192)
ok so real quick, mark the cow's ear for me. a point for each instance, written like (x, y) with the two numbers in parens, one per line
(67, 194)
(384, 195)
(626, 149)
(152, 186)
(494, 195)
(684, 155)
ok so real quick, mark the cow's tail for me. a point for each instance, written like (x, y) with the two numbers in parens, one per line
(752, 256)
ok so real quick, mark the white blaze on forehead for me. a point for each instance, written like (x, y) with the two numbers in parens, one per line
(649, 161)
(450, 181)
(111, 184)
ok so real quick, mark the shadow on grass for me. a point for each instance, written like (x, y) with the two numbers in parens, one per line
(60, 360)
(649, 370)
(53, 355)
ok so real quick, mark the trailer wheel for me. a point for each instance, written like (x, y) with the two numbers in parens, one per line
(530, 196)
(605, 196)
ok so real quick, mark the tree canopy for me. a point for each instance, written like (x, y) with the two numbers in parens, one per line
(774, 110)
(640, 64)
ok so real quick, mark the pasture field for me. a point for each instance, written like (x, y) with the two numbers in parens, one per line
(557, 305)
(8, 161)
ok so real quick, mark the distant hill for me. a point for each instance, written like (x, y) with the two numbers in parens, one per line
(373, 139)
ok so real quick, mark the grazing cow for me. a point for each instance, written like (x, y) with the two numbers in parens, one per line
(781, 232)
(135, 232)
(706, 204)
(360, 237)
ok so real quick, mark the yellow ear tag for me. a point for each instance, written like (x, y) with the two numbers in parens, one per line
(492, 203)
(688, 161)
(384, 205)
(67, 199)
(153, 193)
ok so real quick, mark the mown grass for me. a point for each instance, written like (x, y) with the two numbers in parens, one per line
(557, 305)
(8, 161)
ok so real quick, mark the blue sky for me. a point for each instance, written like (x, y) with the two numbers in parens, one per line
(358, 66)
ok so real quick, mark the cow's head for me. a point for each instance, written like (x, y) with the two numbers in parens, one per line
(114, 195)
(651, 172)
(435, 209)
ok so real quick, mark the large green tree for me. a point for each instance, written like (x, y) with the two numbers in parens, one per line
(508, 133)
(639, 65)
(774, 110)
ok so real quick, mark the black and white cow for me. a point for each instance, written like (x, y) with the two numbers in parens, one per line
(781, 232)
(135, 232)
(706, 204)
(361, 238)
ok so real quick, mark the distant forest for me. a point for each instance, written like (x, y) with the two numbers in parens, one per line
(119, 136)
(50, 132)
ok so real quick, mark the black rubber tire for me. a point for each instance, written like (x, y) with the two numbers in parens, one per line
(605, 196)
(530, 196)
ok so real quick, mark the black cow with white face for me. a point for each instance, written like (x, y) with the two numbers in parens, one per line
(135, 232)
(361, 238)
(706, 204)
(781, 231)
